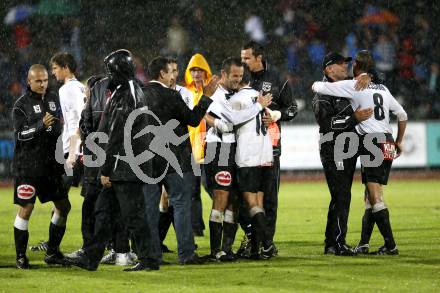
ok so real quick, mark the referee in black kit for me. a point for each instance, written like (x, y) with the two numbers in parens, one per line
(337, 116)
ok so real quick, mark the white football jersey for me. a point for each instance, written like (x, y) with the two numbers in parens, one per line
(72, 98)
(254, 146)
(222, 109)
(375, 96)
(186, 95)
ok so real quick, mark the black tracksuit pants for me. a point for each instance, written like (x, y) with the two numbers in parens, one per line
(270, 199)
(126, 198)
(339, 183)
(90, 191)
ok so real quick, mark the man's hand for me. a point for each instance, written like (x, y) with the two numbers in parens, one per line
(71, 161)
(223, 126)
(48, 120)
(219, 124)
(209, 120)
(362, 114)
(267, 119)
(105, 181)
(362, 82)
(264, 101)
(211, 87)
(399, 149)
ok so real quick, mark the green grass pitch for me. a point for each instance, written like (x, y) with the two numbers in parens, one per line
(300, 266)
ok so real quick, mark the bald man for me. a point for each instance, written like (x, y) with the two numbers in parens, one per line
(36, 120)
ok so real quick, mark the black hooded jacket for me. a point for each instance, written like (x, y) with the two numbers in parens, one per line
(90, 119)
(126, 98)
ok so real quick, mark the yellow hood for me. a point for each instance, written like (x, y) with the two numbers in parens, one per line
(197, 60)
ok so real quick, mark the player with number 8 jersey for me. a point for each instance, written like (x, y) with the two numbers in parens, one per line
(378, 97)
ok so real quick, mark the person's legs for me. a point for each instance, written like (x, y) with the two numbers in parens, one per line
(180, 199)
(259, 224)
(367, 225)
(270, 204)
(165, 219)
(330, 241)
(131, 200)
(121, 243)
(196, 208)
(88, 207)
(230, 223)
(57, 226)
(380, 213)
(219, 203)
(152, 194)
(105, 207)
(21, 234)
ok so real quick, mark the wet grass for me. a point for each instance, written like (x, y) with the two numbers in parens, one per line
(300, 266)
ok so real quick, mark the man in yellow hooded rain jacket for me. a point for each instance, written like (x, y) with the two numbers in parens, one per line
(197, 74)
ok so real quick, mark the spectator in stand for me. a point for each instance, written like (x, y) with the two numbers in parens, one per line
(434, 92)
(72, 41)
(139, 70)
(254, 28)
(316, 50)
(407, 60)
(351, 45)
(197, 31)
(177, 39)
(6, 67)
(384, 53)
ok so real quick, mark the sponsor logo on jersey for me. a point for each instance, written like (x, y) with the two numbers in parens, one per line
(37, 109)
(52, 106)
(389, 150)
(223, 178)
(267, 86)
(25, 191)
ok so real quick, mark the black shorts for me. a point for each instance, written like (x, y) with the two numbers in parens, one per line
(220, 172)
(50, 188)
(380, 173)
(255, 179)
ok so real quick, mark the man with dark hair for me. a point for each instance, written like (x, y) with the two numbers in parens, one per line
(335, 116)
(284, 109)
(64, 60)
(36, 120)
(376, 134)
(166, 211)
(220, 156)
(254, 167)
(72, 98)
(172, 161)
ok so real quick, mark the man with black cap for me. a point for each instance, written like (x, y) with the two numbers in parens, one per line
(376, 140)
(336, 116)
